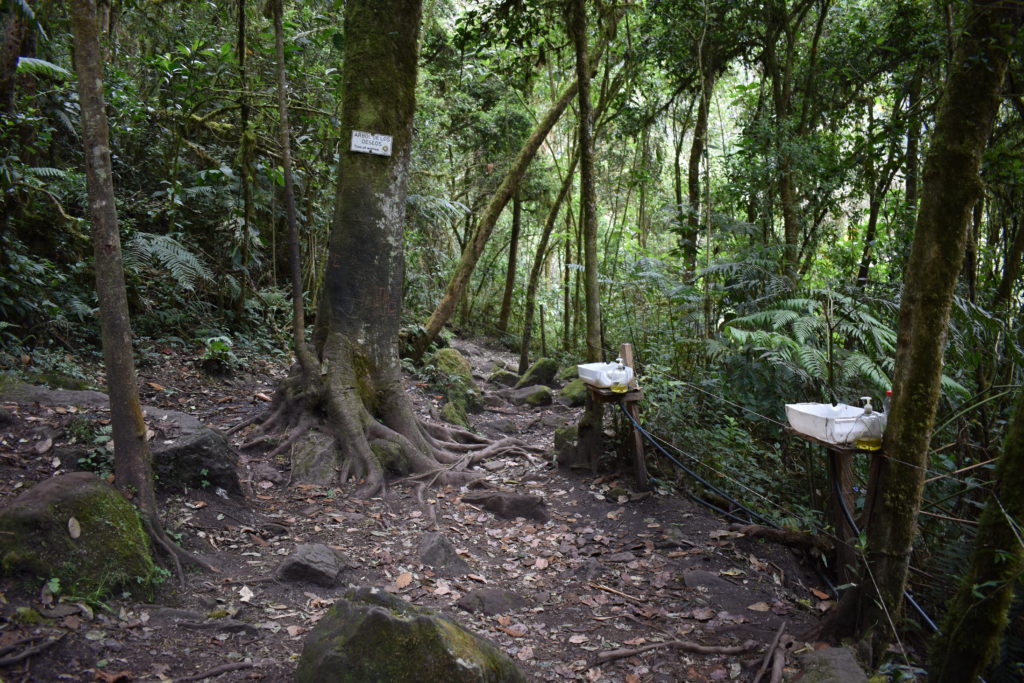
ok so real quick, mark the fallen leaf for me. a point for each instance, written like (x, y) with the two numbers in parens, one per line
(541, 563)
(113, 677)
(515, 631)
(246, 594)
(759, 607)
(704, 614)
(732, 572)
(443, 588)
(294, 630)
(632, 678)
(476, 577)
(263, 397)
(42, 446)
(634, 641)
(821, 595)
(74, 528)
(577, 639)
(403, 580)
(825, 605)
(157, 387)
(615, 514)
(524, 654)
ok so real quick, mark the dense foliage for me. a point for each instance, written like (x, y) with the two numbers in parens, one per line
(757, 173)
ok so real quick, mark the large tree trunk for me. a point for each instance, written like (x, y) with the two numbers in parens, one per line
(14, 30)
(132, 458)
(976, 617)
(360, 392)
(951, 186)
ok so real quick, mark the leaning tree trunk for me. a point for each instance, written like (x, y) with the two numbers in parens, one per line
(510, 272)
(951, 186)
(133, 470)
(360, 390)
(976, 617)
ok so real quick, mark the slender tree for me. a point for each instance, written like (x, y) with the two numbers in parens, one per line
(132, 459)
(510, 271)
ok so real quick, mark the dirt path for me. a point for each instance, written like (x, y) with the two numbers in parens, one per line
(608, 571)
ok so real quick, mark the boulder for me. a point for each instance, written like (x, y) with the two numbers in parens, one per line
(535, 396)
(504, 378)
(370, 635)
(456, 381)
(438, 552)
(491, 601)
(831, 665)
(315, 563)
(541, 372)
(313, 459)
(509, 505)
(569, 373)
(77, 528)
(198, 457)
(574, 393)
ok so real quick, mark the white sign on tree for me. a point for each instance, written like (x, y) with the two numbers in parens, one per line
(371, 143)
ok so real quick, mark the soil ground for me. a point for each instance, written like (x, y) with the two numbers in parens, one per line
(612, 569)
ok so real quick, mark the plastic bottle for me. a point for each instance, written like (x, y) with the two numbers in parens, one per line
(871, 439)
(887, 401)
(617, 378)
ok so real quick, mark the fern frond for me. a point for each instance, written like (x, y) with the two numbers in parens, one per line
(858, 364)
(41, 67)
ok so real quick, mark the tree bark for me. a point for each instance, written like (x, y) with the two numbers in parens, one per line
(510, 271)
(951, 186)
(14, 31)
(133, 470)
(977, 615)
(588, 442)
(302, 352)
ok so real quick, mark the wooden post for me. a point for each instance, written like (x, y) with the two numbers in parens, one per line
(643, 479)
(841, 478)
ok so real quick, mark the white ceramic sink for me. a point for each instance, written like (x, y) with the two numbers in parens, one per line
(596, 374)
(837, 424)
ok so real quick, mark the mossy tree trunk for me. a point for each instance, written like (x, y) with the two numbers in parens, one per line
(588, 441)
(358, 396)
(510, 271)
(951, 185)
(133, 469)
(977, 615)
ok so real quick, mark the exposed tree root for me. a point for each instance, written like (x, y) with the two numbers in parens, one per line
(177, 554)
(432, 454)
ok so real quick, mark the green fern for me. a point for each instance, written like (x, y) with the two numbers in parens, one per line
(41, 67)
(165, 252)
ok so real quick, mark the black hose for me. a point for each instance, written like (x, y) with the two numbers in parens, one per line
(700, 479)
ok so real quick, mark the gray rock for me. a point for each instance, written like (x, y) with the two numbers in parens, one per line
(589, 570)
(501, 425)
(503, 378)
(438, 552)
(532, 396)
(315, 563)
(831, 665)
(264, 471)
(509, 505)
(491, 601)
(198, 457)
(541, 372)
(371, 635)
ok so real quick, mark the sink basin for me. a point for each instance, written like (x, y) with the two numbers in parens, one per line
(596, 374)
(838, 424)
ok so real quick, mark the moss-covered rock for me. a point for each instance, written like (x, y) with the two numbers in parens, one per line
(532, 396)
(575, 392)
(565, 443)
(569, 373)
(455, 379)
(371, 635)
(502, 377)
(314, 460)
(103, 550)
(541, 372)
